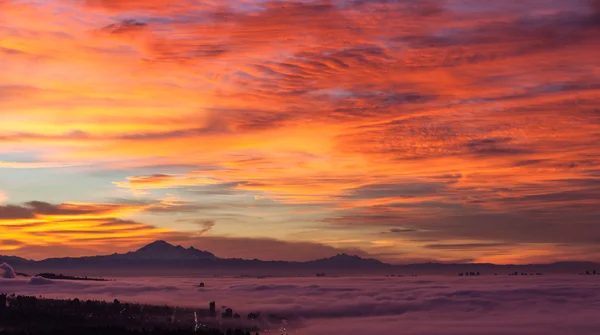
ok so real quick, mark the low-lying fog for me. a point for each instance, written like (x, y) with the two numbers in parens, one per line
(370, 305)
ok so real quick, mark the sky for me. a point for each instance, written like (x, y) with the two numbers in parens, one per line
(403, 130)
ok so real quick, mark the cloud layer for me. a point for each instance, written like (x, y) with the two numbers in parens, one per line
(416, 305)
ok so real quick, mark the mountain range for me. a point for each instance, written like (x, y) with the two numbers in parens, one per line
(160, 257)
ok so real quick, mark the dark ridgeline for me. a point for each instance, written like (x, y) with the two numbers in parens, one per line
(63, 277)
(24, 315)
(526, 274)
(160, 257)
(468, 274)
(108, 330)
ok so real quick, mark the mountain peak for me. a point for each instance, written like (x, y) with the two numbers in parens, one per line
(345, 256)
(156, 245)
(164, 250)
(353, 260)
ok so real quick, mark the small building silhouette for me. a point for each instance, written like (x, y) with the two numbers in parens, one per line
(228, 313)
(201, 284)
(253, 316)
(213, 309)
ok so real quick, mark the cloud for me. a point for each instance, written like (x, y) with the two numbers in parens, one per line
(466, 246)
(37, 281)
(423, 305)
(400, 231)
(205, 225)
(84, 227)
(165, 181)
(397, 190)
(15, 212)
(160, 6)
(38, 165)
(10, 242)
(70, 230)
(8, 271)
(33, 208)
(468, 122)
(125, 27)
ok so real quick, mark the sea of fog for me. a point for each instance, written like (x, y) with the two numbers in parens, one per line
(367, 305)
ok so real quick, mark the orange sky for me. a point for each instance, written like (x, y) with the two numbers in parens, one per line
(412, 130)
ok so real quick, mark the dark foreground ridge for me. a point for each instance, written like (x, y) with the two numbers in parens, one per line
(30, 315)
(63, 277)
(107, 330)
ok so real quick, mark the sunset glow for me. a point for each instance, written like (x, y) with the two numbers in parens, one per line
(414, 130)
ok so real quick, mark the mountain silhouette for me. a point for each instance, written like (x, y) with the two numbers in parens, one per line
(349, 260)
(161, 250)
(161, 257)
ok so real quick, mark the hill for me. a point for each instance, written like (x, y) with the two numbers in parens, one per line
(162, 258)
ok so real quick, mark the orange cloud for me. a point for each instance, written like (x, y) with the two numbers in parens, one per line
(371, 116)
(163, 181)
(79, 225)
